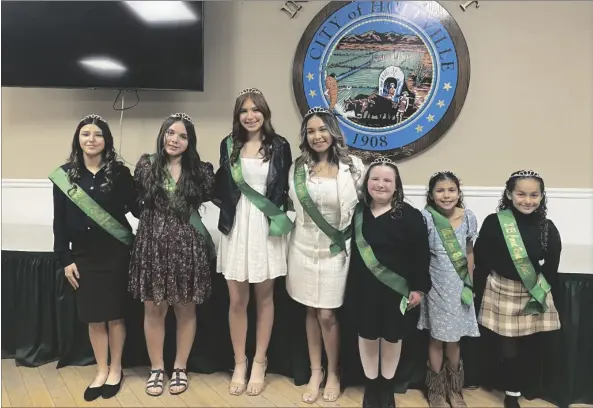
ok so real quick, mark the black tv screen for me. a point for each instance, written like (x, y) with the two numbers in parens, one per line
(154, 45)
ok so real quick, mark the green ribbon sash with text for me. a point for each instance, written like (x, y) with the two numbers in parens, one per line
(385, 275)
(90, 207)
(537, 289)
(455, 253)
(280, 223)
(300, 185)
(195, 220)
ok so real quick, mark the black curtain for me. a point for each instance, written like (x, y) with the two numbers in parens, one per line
(39, 325)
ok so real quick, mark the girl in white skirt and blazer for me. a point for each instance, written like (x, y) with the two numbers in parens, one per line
(519, 227)
(330, 179)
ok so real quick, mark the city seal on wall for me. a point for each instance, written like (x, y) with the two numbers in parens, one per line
(395, 73)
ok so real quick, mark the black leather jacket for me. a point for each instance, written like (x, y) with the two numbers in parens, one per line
(228, 194)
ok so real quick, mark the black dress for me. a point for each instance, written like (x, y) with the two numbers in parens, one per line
(102, 260)
(401, 244)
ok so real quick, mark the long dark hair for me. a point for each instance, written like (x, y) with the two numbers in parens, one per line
(239, 134)
(440, 176)
(337, 152)
(397, 201)
(188, 191)
(541, 212)
(108, 155)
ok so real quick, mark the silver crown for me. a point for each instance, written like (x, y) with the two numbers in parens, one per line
(317, 109)
(249, 91)
(443, 172)
(383, 160)
(526, 173)
(183, 116)
(94, 117)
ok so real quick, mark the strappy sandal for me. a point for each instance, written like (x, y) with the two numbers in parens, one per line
(156, 383)
(236, 388)
(253, 388)
(332, 394)
(311, 394)
(178, 381)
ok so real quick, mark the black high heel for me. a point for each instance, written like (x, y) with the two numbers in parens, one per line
(111, 390)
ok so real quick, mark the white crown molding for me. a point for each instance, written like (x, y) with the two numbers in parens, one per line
(411, 190)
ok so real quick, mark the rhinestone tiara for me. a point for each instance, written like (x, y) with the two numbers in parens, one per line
(94, 117)
(183, 116)
(383, 160)
(526, 173)
(249, 91)
(317, 109)
(443, 172)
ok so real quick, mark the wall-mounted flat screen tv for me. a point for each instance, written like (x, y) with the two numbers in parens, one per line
(157, 45)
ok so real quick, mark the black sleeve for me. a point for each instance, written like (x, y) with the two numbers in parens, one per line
(61, 238)
(128, 190)
(421, 252)
(287, 157)
(482, 251)
(219, 177)
(552, 255)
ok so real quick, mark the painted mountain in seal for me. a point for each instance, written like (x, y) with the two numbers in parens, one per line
(374, 40)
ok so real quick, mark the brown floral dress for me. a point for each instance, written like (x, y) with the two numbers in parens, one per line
(169, 261)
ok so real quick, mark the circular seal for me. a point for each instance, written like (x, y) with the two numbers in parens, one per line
(395, 73)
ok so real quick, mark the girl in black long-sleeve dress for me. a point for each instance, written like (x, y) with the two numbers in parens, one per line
(92, 193)
(397, 234)
(507, 308)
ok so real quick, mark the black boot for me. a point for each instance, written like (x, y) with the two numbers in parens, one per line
(387, 395)
(371, 393)
(513, 381)
(511, 402)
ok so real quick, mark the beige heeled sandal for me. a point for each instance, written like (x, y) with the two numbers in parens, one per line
(236, 388)
(331, 394)
(254, 388)
(311, 394)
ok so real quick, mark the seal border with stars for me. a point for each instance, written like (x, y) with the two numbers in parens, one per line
(452, 110)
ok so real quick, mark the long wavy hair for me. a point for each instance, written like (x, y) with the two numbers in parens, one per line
(541, 212)
(108, 155)
(441, 176)
(397, 201)
(188, 193)
(337, 152)
(239, 134)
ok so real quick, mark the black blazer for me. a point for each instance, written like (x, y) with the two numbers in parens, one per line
(227, 193)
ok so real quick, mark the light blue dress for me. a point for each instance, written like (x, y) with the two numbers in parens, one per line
(442, 312)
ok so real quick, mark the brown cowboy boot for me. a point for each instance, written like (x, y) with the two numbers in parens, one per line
(455, 386)
(436, 383)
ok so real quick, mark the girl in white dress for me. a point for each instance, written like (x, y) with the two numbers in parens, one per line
(324, 183)
(252, 189)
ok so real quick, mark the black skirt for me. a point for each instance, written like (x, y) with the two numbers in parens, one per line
(102, 262)
(377, 308)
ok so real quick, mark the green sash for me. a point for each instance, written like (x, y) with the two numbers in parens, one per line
(280, 224)
(385, 275)
(537, 290)
(300, 185)
(454, 252)
(90, 207)
(195, 219)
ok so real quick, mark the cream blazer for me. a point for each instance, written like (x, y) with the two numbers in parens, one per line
(348, 191)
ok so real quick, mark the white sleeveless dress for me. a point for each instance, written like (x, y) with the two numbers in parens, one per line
(248, 253)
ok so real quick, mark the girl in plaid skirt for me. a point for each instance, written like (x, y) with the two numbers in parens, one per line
(518, 248)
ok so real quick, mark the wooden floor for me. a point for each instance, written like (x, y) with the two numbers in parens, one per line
(47, 387)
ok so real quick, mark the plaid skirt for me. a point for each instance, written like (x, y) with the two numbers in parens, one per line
(502, 309)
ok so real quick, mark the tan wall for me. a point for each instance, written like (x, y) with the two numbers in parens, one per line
(529, 102)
